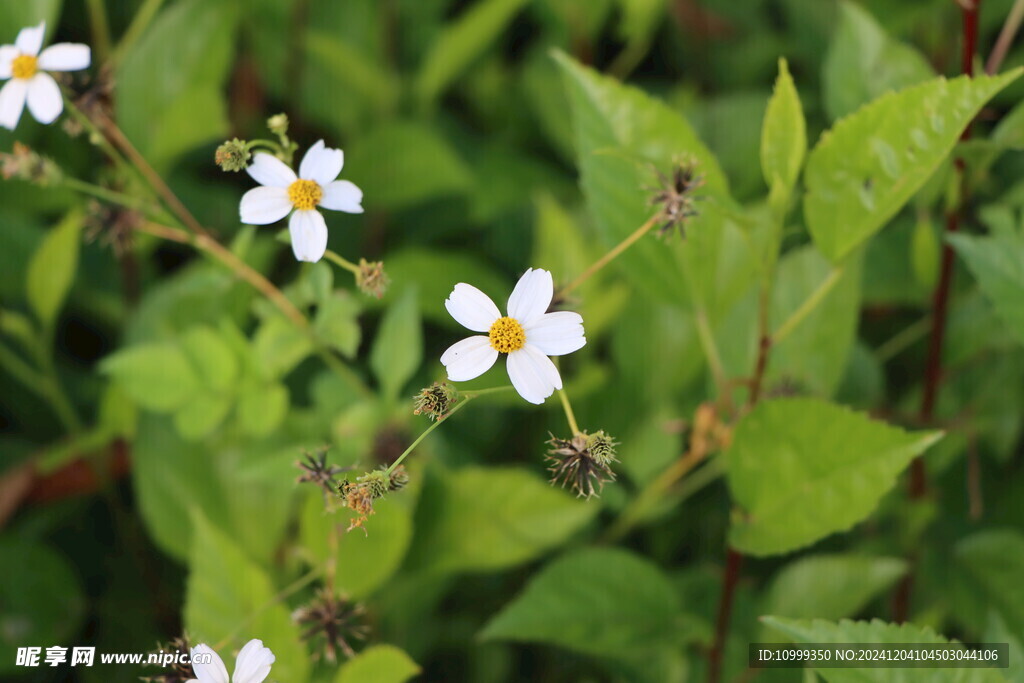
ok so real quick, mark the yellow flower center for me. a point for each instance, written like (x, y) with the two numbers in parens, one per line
(305, 194)
(24, 66)
(507, 335)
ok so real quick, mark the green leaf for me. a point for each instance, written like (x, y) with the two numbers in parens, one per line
(620, 133)
(604, 602)
(354, 70)
(279, 346)
(262, 409)
(337, 323)
(816, 352)
(42, 598)
(925, 253)
(461, 42)
(365, 562)
(52, 269)
(176, 75)
(379, 664)
(402, 164)
(997, 262)
(862, 172)
(201, 414)
(477, 519)
(156, 376)
(802, 469)
(863, 62)
(995, 561)
(213, 359)
(225, 591)
(15, 16)
(830, 586)
(398, 349)
(876, 631)
(783, 134)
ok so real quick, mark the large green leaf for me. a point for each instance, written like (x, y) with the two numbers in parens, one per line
(875, 631)
(783, 134)
(398, 349)
(622, 135)
(604, 602)
(801, 469)
(15, 16)
(863, 62)
(378, 664)
(872, 162)
(229, 597)
(173, 80)
(995, 560)
(157, 376)
(52, 269)
(477, 519)
(997, 261)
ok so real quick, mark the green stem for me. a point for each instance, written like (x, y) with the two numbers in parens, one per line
(808, 306)
(22, 371)
(113, 197)
(100, 29)
(53, 389)
(904, 339)
(341, 261)
(285, 592)
(466, 398)
(710, 347)
(609, 257)
(569, 415)
(139, 24)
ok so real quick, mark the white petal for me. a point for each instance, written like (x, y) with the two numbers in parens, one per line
(309, 235)
(214, 672)
(533, 374)
(471, 308)
(556, 334)
(12, 102)
(7, 55)
(532, 296)
(469, 358)
(253, 663)
(44, 98)
(264, 205)
(65, 57)
(268, 170)
(341, 195)
(321, 164)
(30, 40)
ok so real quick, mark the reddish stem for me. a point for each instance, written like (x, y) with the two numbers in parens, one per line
(731, 577)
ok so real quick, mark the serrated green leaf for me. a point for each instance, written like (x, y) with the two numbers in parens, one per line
(863, 62)
(604, 602)
(379, 664)
(213, 359)
(862, 172)
(262, 409)
(201, 414)
(802, 469)
(997, 262)
(52, 269)
(995, 560)
(830, 586)
(398, 349)
(226, 590)
(477, 519)
(783, 134)
(461, 42)
(876, 631)
(157, 376)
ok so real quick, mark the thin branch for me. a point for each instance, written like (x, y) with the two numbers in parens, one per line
(1006, 36)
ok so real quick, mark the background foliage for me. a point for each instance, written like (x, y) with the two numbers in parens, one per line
(148, 484)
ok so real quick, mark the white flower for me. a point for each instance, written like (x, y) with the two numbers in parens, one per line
(314, 186)
(25, 65)
(528, 334)
(251, 666)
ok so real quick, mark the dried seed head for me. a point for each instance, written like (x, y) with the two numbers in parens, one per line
(278, 124)
(675, 197)
(233, 155)
(436, 400)
(399, 479)
(176, 671)
(316, 471)
(24, 164)
(583, 463)
(359, 495)
(330, 623)
(371, 279)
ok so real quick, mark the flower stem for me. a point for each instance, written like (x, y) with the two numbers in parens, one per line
(1006, 36)
(710, 347)
(466, 398)
(569, 415)
(808, 306)
(100, 29)
(609, 257)
(111, 196)
(143, 18)
(284, 594)
(342, 262)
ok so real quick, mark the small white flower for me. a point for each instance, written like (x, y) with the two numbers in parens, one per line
(314, 186)
(251, 666)
(25, 66)
(528, 334)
